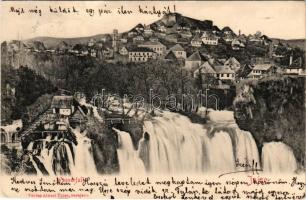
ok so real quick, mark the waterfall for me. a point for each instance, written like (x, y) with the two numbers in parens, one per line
(84, 162)
(177, 145)
(278, 157)
(129, 160)
(60, 156)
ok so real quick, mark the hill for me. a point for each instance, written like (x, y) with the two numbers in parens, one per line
(52, 42)
(293, 42)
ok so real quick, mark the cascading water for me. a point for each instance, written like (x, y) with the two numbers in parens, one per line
(129, 160)
(277, 157)
(60, 156)
(177, 145)
(84, 161)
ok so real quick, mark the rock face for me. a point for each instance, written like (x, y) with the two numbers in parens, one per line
(273, 110)
(104, 146)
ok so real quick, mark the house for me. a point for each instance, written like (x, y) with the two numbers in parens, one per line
(237, 44)
(62, 105)
(229, 38)
(233, 63)
(216, 30)
(123, 51)
(170, 56)
(106, 52)
(224, 72)
(209, 38)
(103, 39)
(178, 51)
(260, 70)
(132, 33)
(80, 50)
(141, 54)
(138, 39)
(196, 41)
(93, 52)
(139, 28)
(91, 42)
(147, 31)
(194, 60)
(227, 31)
(293, 70)
(62, 47)
(161, 28)
(157, 47)
(205, 70)
(295, 67)
(265, 40)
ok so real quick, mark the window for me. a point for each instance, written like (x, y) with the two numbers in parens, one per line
(228, 75)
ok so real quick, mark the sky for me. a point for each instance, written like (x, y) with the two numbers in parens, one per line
(277, 19)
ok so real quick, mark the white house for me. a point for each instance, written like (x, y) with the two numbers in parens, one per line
(196, 41)
(157, 47)
(224, 72)
(141, 54)
(209, 39)
(260, 70)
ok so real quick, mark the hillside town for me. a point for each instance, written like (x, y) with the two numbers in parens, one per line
(220, 58)
(200, 45)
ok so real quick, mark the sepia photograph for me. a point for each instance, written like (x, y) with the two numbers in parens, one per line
(153, 99)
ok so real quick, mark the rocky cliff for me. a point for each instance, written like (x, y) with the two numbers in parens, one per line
(272, 109)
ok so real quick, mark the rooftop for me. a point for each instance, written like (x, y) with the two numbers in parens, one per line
(265, 66)
(223, 69)
(139, 49)
(177, 47)
(207, 68)
(62, 102)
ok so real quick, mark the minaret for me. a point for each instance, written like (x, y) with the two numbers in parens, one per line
(291, 58)
(115, 40)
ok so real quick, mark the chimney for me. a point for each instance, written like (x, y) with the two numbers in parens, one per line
(239, 32)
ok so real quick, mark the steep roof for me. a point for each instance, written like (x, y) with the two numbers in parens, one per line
(264, 67)
(177, 47)
(244, 71)
(206, 68)
(223, 69)
(62, 102)
(170, 56)
(232, 61)
(196, 56)
(226, 28)
(196, 38)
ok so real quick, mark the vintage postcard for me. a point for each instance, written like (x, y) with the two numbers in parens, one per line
(153, 99)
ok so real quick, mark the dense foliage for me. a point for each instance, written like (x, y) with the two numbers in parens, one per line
(20, 88)
(272, 110)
